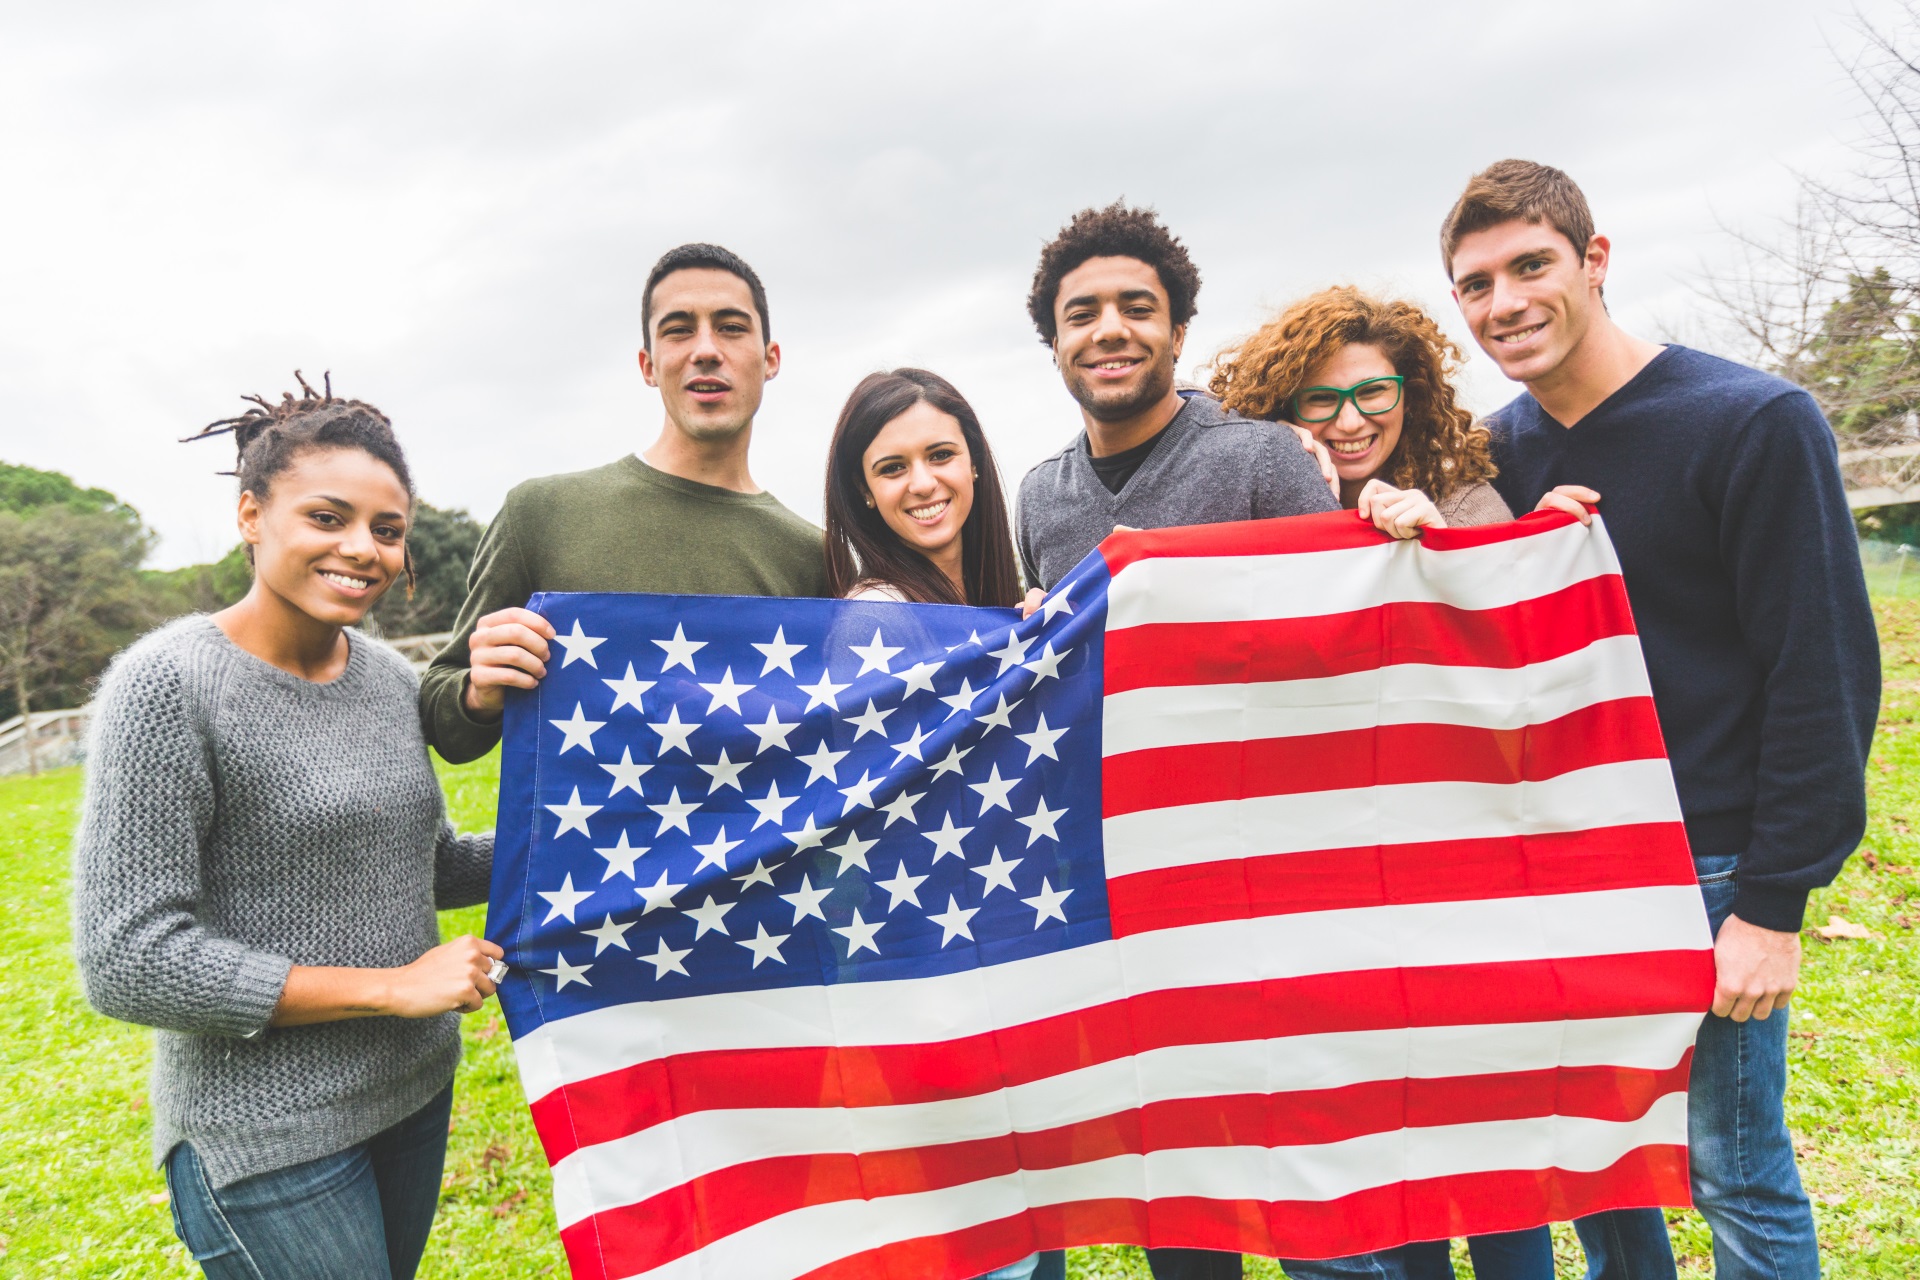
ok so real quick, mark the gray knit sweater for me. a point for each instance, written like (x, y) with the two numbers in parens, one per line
(1211, 466)
(239, 820)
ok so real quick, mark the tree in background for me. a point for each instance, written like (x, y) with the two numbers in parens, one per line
(442, 544)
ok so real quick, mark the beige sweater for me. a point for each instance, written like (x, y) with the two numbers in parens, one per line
(1474, 504)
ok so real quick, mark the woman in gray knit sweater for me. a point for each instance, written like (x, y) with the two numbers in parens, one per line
(262, 849)
(1371, 378)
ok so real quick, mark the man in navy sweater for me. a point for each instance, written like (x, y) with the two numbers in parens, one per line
(1721, 491)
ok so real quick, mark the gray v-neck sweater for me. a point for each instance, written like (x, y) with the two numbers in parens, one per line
(1209, 467)
(239, 820)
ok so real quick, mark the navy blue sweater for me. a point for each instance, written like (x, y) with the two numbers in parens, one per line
(1720, 488)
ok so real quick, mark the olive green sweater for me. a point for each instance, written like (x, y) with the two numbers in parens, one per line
(622, 527)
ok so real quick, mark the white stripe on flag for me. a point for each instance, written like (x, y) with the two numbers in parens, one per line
(1616, 794)
(978, 1001)
(1247, 588)
(1405, 693)
(795, 1243)
(631, 1169)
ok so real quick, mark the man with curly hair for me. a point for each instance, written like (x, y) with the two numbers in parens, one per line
(1723, 497)
(1112, 299)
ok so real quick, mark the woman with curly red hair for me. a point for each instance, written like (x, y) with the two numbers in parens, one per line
(1371, 378)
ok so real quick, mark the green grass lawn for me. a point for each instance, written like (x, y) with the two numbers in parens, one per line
(80, 1198)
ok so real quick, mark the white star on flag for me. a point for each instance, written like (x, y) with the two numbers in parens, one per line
(997, 872)
(910, 747)
(806, 900)
(901, 806)
(565, 973)
(859, 934)
(562, 901)
(764, 945)
(1001, 717)
(771, 807)
(716, 850)
(726, 693)
(709, 916)
(860, 794)
(609, 934)
(759, 875)
(950, 763)
(1040, 741)
(821, 763)
(673, 733)
(579, 646)
(875, 656)
(627, 691)
(963, 698)
(1013, 654)
(871, 721)
(666, 960)
(779, 655)
(993, 792)
(953, 921)
(1056, 603)
(1040, 822)
(573, 815)
(771, 732)
(917, 676)
(947, 839)
(825, 693)
(626, 774)
(658, 894)
(620, 858)
(902, 888)
(1046, 903)
(1046, 665)
(724, 772)
(852, 852)
(674, 813)
(808, 836)
(680, 650)
(578, 731)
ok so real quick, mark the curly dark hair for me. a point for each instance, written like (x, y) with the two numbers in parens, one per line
(270, 437)
(1441, 447)
(1114, 232)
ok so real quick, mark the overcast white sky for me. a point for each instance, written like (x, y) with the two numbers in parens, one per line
(453, 206)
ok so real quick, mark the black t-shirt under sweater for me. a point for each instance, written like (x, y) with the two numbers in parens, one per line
(1116, 469)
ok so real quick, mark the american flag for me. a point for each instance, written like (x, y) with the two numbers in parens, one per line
(1276, 888)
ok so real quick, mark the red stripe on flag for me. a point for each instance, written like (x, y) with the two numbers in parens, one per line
(1629, 857)
(1296, 535)
(628, 1100)
(1380, 755)
(1164, 654)
(701, 1210)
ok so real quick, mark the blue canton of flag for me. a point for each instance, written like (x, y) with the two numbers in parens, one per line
(719, 794)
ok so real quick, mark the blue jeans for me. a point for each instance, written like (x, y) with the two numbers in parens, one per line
(361, 1214)
(1505, 1255)
(1745, 1182)
(1205, 1264)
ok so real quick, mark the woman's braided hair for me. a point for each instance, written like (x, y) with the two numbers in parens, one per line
(1441, 448)
(269, 437)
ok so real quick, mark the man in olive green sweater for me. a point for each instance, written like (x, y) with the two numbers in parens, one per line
(684, 517)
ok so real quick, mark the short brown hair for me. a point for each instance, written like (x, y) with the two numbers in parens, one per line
(1510, 190)
(1114, 232)
(1441, 448)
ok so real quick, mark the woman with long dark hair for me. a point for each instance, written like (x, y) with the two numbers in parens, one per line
(914, 506)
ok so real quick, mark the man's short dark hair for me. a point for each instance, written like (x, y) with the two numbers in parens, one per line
(1114, 232)
(1522, 191)
(693, 257)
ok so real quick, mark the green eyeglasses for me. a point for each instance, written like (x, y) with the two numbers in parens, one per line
(1372, 397)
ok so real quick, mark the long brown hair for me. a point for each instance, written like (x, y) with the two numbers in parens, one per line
(862, 550)
(1441, 447)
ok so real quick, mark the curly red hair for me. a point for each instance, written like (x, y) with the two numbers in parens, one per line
(1441, 447)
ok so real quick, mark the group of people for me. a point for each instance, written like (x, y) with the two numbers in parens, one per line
(264, 844)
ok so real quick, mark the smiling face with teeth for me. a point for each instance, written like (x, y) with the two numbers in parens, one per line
(328, 540)
(1530, 296)
(1362, 445)
(1116, 346)
(920, 478)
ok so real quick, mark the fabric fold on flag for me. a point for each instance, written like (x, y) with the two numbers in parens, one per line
(1277, 888)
